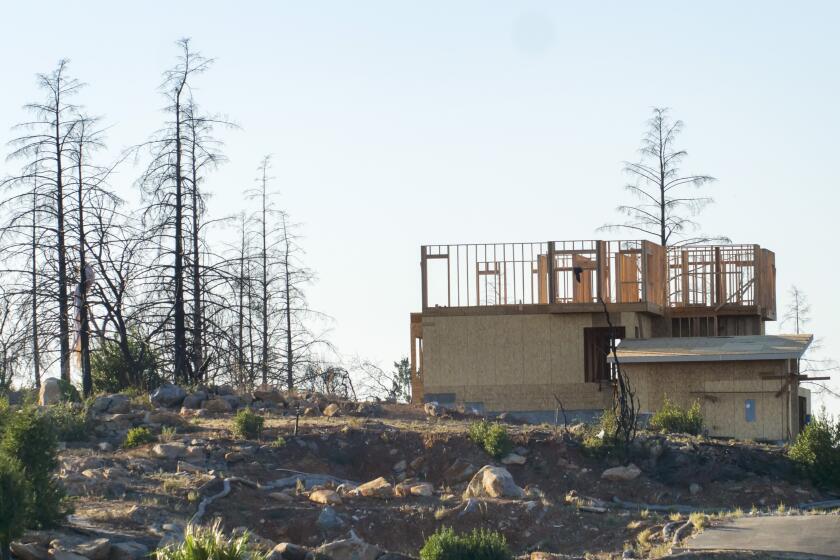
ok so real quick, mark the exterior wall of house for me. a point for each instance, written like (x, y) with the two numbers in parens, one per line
(723, 389)
(516, 363)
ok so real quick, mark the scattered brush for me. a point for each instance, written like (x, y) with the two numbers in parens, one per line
(209, 543)
(167, 434)
(138, 436)
(699, 520)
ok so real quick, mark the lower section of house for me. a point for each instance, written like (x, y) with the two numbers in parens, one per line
(528, 364)
(535, 365)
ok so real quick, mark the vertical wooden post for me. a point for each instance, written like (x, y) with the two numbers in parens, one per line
(424, 282)
(720, 288)
(552, 274)
(644, 255)
(599, 269)
(684, 277)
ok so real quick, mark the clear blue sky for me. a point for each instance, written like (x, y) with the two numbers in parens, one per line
(400, 123)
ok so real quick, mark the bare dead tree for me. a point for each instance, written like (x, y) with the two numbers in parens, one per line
(373, 382)
(666, 208)
(167, 188)
(625, 406)
(798, 313)
(44, 148)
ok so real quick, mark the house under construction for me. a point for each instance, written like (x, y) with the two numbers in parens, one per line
(522, 328)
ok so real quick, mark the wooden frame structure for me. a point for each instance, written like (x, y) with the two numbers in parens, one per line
(573, 276)
(555, 276)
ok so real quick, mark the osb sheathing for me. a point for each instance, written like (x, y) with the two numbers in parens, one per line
(515, 362)
(722, 389)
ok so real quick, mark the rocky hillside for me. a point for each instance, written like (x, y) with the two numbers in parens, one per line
(373, 481)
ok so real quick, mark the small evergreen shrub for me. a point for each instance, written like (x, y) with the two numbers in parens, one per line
(674, 419)
(138, 436)
(30, 437)
(248, 424)
(492, 437)
(480, 544)
(14, 501)
(209, 543)
(113, 372)
(817, 451)
(70, 421)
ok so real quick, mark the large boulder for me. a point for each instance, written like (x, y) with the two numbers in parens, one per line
(29, 551)
(168, 395)
(493, 482)
(193, 401)
(623, 474)
(268, 393)
(332, 410)
(169, 450)
(217, 405)
(50, 392)
(377, 488)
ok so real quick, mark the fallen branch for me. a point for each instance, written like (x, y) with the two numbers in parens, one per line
(308, 479)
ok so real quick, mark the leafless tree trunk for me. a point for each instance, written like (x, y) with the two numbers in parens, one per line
(664, 211)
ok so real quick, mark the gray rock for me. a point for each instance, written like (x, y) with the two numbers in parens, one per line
(169, 450)
(329, 520)
(493, 482)
(630, 472)
(29, 551)
(193, 402)
(694, 488)
(168, 395)
(105, 447)
(119, 404)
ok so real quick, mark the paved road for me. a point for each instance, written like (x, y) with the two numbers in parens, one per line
(808, 534)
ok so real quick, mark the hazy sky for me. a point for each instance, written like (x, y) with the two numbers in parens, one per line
(395, 124)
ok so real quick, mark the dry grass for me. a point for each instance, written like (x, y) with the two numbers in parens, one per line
(699, 520)
(674, 517)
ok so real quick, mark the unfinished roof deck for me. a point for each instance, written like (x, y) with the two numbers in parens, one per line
(713, 349)
(575, 276)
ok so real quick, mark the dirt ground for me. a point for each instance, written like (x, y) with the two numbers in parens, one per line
(733, 477)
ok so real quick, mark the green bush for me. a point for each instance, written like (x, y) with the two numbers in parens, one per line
(30, 437)
(445, 544)
(817, 451)
(209, 543)
(70, 421)
(112, 372)
(247, 424)
(600, 440)
(674, 419)
(69, 393)
(138, 436)
(14, 501)
(492, 437)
